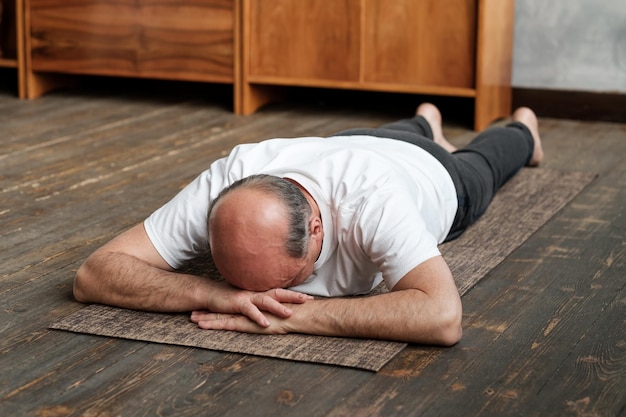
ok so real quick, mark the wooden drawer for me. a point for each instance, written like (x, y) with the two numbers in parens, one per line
(183, 40)
(305, 39)
(425, 42)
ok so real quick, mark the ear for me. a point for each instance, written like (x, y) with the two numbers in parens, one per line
(316, 228)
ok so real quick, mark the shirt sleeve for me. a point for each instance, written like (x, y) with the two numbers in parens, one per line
(395, 237)
(178, 230)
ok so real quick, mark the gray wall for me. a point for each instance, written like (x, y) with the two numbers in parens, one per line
(577, 45)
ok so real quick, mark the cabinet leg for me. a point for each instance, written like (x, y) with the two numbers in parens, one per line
(38, 84)
(491, 104)
(254, 97)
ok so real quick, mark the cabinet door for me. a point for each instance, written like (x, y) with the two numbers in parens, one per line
(172, 39)
(304, 39)
(420, 42)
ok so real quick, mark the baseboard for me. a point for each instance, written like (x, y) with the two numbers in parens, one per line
(576, 105)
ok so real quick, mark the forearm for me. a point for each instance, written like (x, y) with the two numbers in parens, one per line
(407, 315)
(423, 307)
(125, 281)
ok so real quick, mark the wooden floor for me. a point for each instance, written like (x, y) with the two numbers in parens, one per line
(544, 332)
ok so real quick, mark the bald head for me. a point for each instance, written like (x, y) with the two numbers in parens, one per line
(259, 233)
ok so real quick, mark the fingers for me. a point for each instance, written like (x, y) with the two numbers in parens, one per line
(271, 305)
(208, 320)
(221, 321)
(272, 302)
(252, 304)
(250, 310)
(234, 322)
(288, 296)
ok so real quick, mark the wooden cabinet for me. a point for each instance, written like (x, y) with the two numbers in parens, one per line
(437, 47)
(441, 47)
(167, 39)
(11, 40)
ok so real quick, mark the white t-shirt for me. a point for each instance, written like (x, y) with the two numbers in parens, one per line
(385, 206)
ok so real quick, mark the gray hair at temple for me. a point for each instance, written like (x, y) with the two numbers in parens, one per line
(298, 208)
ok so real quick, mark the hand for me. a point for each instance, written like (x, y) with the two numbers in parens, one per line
(248, 304)
(238, 322)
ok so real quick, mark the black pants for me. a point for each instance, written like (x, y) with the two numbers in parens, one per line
(478, 170)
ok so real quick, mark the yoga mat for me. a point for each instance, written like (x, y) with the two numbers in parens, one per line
(521, 207)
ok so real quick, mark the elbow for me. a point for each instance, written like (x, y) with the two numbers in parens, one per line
(82, 284)
(450, 329)
(451, 335)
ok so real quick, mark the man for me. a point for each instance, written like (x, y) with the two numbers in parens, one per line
(289, 218)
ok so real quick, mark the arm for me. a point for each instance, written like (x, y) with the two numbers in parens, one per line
(423, 307)
(129, 272)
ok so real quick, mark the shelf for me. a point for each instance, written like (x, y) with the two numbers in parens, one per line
(8, 63)
(165, 39)
(369, 86)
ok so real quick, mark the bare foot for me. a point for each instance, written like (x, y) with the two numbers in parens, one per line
(432, 115)
(527, 117)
